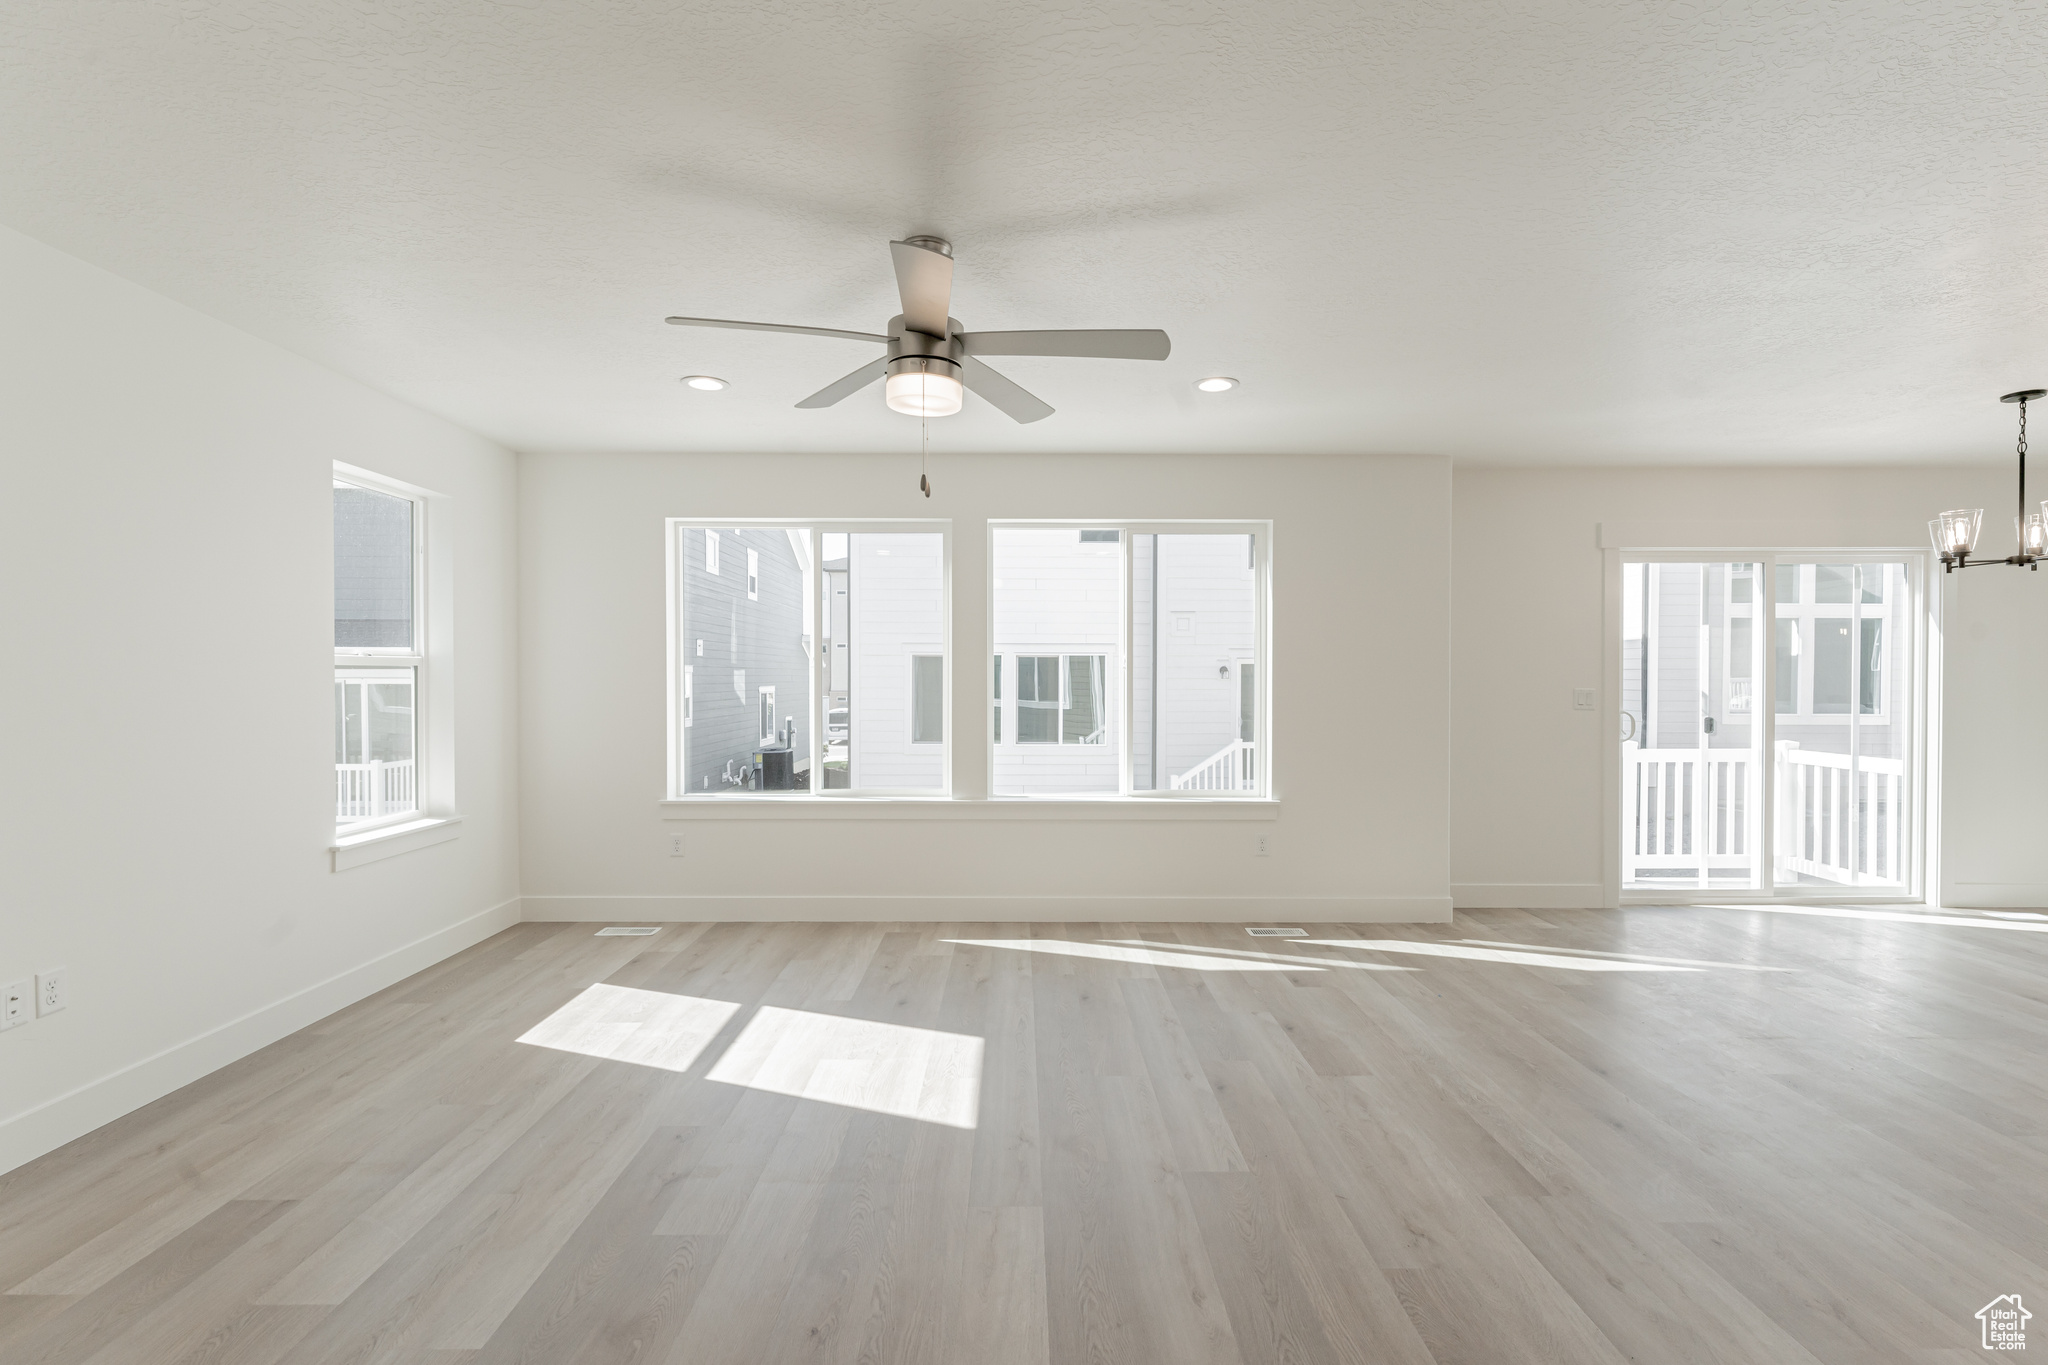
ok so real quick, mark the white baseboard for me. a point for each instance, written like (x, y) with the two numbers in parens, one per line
(1995, 896)
(1005, 909)
(55, 1122)
(1528, 895)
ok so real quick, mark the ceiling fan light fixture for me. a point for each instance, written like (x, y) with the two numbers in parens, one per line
(1215, 383)
(708, 383)
(923, 386)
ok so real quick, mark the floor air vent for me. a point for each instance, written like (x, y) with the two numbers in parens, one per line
(1277, 933)
(628, 931)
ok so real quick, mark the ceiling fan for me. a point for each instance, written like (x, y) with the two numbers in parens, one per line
(930, 360)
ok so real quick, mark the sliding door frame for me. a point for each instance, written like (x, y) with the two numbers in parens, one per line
(1924, 612)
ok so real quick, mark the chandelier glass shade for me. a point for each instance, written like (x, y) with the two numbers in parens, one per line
(1955, 532)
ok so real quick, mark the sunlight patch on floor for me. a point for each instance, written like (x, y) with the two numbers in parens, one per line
(914, 1073)
(1287, 959)
(1204, 960)
(1949, 919)
(622, 1024)
(1629, 957)
(1518, 959)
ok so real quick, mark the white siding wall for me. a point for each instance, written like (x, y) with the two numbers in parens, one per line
(1056, 595)
(896, 609)
(1208, 614)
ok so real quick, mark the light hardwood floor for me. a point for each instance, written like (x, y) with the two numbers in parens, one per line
(1660, 1136)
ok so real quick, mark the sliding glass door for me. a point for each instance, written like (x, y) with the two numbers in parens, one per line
(1768, 718)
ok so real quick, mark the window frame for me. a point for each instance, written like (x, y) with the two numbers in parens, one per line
(433, 794)
(1120, 681)
(753, 574)
(676, 530)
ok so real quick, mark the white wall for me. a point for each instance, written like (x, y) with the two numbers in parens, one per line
(167, 802)
(1526, 772)
(1361, 827)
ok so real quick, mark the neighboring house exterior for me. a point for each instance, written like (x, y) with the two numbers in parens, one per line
(746, 655)
(1058, 704)
(896, 637)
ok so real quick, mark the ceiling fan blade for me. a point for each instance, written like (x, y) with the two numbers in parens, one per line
(848, 386)
(924, 279)
(1002, 392)
(1143, 344)
(778, 327)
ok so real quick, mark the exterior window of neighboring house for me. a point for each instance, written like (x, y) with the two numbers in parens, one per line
(1038, 699)
(836, 639)
(380, 657)
(1831, 629)
(927, 698)
(1137, 655)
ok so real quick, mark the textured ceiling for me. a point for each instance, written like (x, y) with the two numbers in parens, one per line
(1508, 232)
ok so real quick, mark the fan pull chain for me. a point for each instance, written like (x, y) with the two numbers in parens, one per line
(924, 456)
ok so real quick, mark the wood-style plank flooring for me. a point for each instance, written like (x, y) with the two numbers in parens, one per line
(1663, 1136)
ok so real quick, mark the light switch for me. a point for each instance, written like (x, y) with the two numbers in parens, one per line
(1582, 699)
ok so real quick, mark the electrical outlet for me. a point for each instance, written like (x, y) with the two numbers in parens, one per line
(675, 844)
(1261, 850)
(1582, 699)
(13, 1004)
(51, 995)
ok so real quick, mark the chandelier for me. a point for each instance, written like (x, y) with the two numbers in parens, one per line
(1955, 532)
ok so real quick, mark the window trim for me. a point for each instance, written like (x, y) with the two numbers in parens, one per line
(1121, 682)
(753, 574)
(433, 774)
(675, 530)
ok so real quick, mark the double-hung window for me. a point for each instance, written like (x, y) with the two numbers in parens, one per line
(380, 656)
(1129, 658)
(835, 644)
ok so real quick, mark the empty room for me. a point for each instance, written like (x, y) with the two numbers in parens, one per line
(1014, 684)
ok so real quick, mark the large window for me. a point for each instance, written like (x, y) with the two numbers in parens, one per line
(834, 640)
(1812, 793)
(1128, 660)
(379, 653)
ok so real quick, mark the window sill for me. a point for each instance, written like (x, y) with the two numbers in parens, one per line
(353, 850)
(948, 808)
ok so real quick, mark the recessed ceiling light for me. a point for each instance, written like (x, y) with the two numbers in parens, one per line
(704, 382)
(1215, 384)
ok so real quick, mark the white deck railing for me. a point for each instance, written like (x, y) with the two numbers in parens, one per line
(364, 791)
(1233, 768)
(1838, 824)
(1684, 811)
